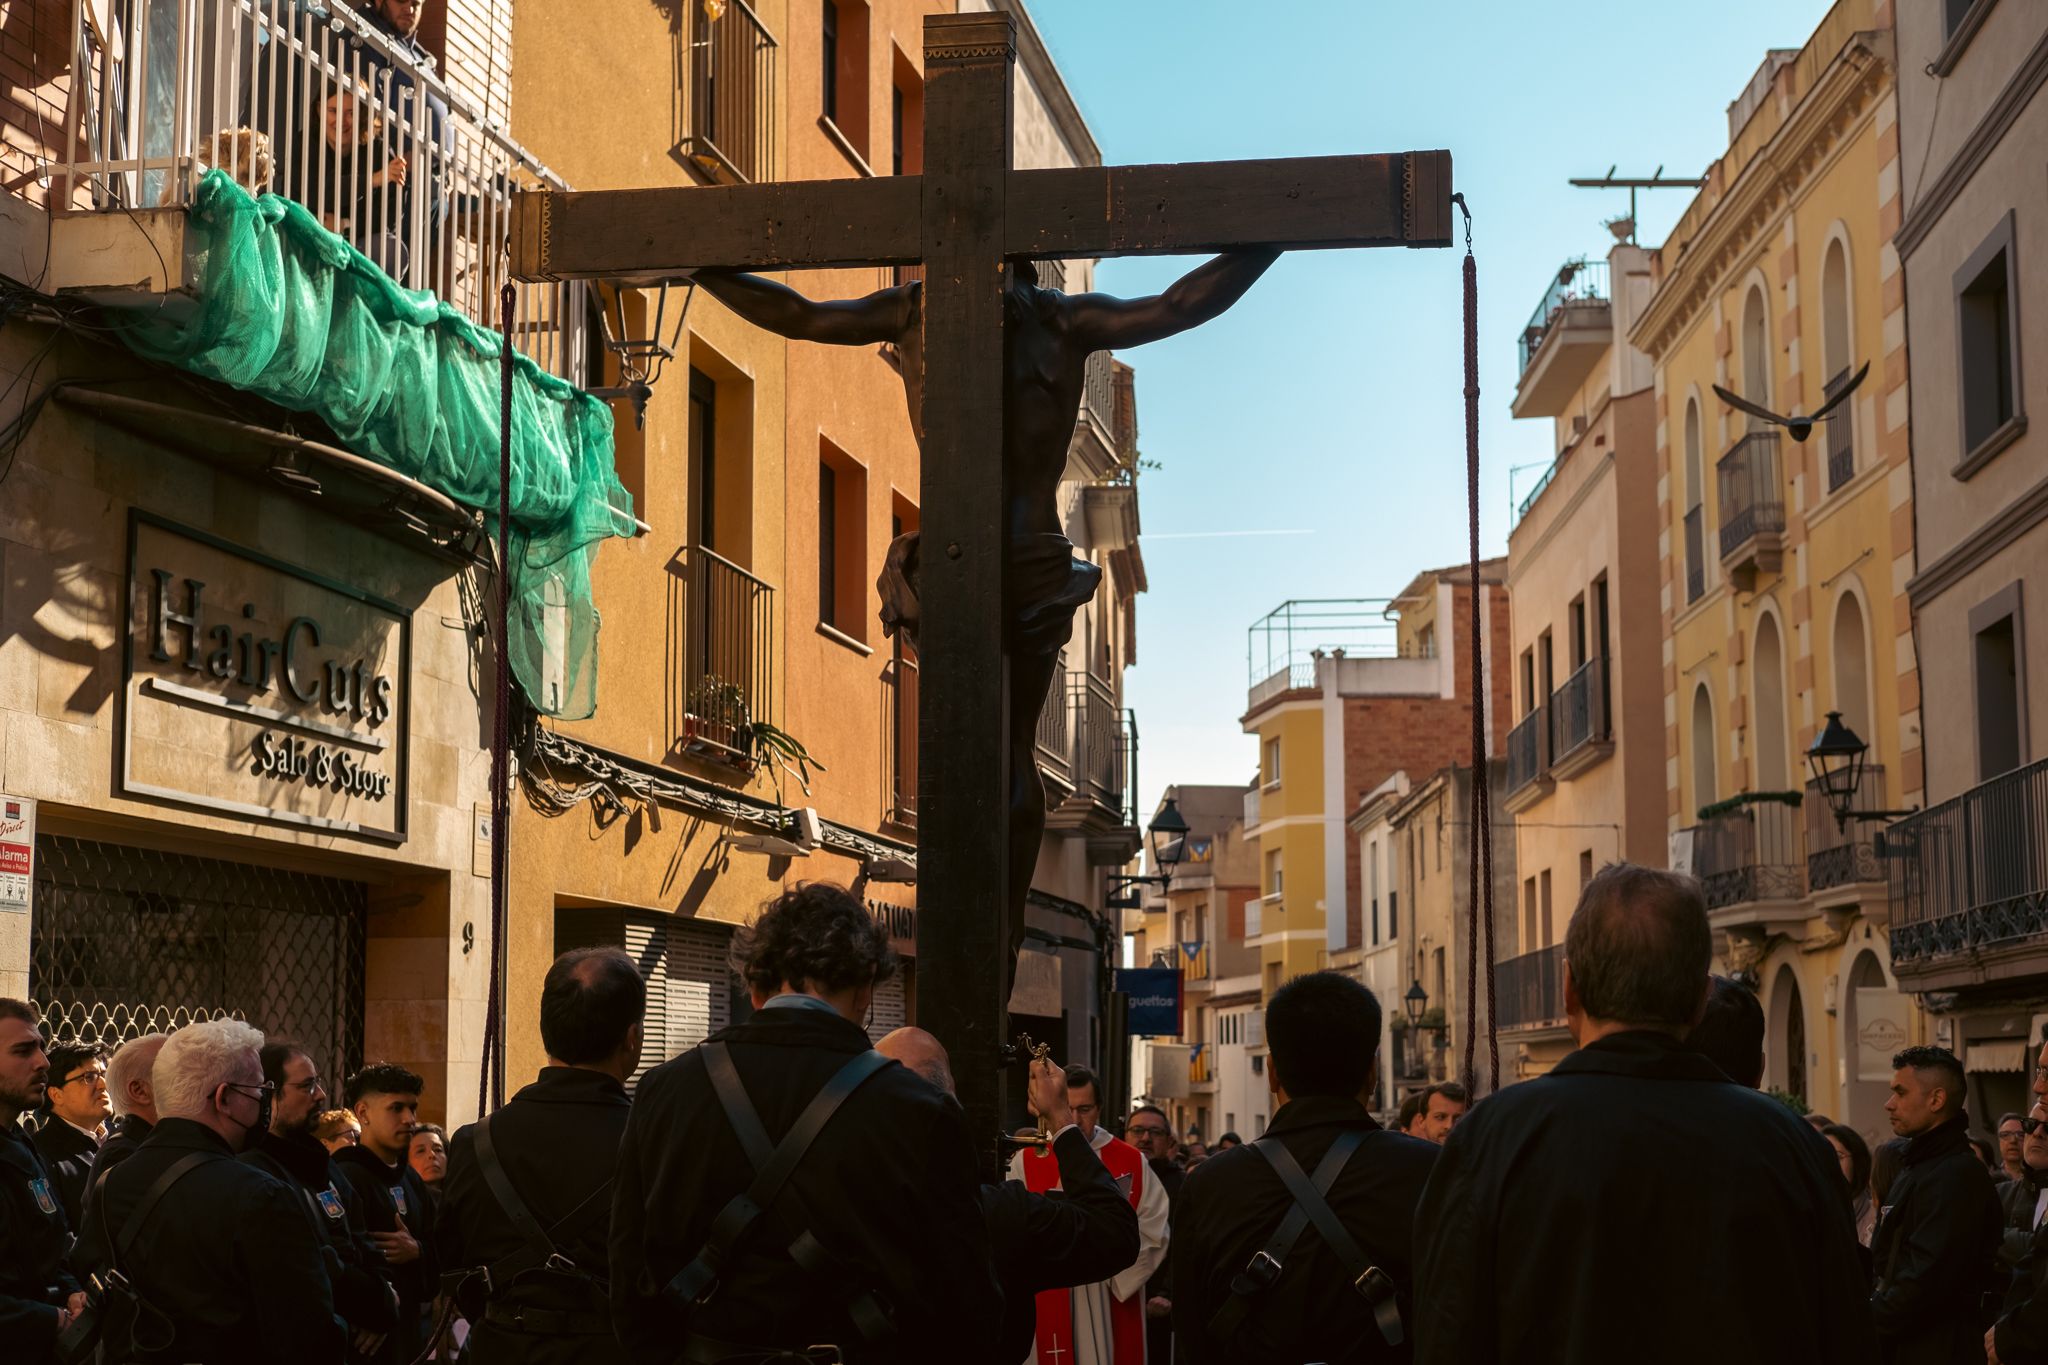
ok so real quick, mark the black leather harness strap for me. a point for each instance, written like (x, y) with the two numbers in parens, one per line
(1311, 1205)
(132, 1227)
(773, 1165)
(542, 1252)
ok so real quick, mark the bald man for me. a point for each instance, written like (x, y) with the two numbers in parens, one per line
(1084, 1233)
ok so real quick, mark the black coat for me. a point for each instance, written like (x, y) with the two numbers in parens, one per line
(2016, 1200)
(68, 1154)
(1234, 1202)
(356, 1273)
(1635, 1204)
(889, 1188)
(1083, 1232)
(226, 1255)
(128, 1136)
(1159, 1331)
(566, 1111)
(380, 1190)
(1933, 1252)
(2023, 1323)
(33, 1239)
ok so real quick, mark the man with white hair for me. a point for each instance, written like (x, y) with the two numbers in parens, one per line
(133, 1097)
(219, 1250)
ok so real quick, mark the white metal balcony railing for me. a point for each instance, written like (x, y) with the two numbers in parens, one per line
(323, 108)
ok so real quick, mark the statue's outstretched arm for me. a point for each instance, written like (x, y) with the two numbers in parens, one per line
(880, 317)
(1099, 321)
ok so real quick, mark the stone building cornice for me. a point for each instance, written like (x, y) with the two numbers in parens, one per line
(1824, 118)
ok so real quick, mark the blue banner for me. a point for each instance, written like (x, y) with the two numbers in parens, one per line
(1154, 1000)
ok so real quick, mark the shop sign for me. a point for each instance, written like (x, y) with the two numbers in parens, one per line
(257, 688)
(17, 854)
(1155, 1000)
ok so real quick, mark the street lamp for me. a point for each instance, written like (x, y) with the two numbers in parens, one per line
(1415, 1002)
(1838, 759)
(1169, 834)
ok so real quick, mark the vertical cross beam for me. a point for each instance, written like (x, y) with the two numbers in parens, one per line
(963, 832)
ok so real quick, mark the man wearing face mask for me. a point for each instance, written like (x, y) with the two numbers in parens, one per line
(874, 1244)
(221, 1253)
(364, 1298)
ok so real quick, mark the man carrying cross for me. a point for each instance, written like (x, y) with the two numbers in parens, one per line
(1049, 336)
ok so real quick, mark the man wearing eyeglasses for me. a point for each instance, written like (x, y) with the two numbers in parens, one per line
(74, 1121)
(356, 1272)
(1148, 1131)
(2021, 1332)
(220, 1252)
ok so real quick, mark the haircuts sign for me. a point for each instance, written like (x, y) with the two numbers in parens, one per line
(259, 689)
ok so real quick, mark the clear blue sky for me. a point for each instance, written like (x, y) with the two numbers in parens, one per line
(1327, 403)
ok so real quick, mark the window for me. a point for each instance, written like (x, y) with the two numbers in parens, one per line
(1852, 666)
(906, 117)
(1756, 354)
(1999, 668)
(1695, 509)
(1767, 683)
(1837, 359)
(1543, 906)
(1585, 867)
(1546, 667)
(1275, 873)
(1702, 748)
(1576, 628)
(1375, 893)
(842, 543)
(703, 490)
(843, 61)
(1393, 915)
(1987, 337)
(829, 58)
(896, 130)
(1600, 645)
(1272, 762)
(1528, 914)
(1960, 20)
(1528, 682)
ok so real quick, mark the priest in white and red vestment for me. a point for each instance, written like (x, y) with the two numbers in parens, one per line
(1103, 1323)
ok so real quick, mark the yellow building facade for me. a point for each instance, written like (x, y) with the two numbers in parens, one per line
(1783, 562)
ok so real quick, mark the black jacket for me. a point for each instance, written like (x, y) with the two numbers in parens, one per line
(2016, 1200)
(127, 1138)
(2023, 1323)
(68, 1154)
(1933, 1252)
(1635, 1204)
(1081, 1233)
(1232, 1204)
(227, 1255)
(566, 1111)
(356, 1273)
(33, 1239)
(889, 1188)
(381, 1190)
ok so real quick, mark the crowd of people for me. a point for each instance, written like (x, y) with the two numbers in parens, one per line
(790, 1194)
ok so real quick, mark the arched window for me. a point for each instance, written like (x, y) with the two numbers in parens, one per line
(1703, 748)
(1852, 666)
(1837, 359)
(1695, 508)
(1756, 354)
(1773, 757)
(1787, 1035)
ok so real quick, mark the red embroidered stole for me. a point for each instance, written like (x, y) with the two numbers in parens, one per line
(1055, 1306)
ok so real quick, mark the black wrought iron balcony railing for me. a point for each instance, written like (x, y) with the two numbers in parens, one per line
(1530, 988)
(731, 99)
(1695, 554)
(1836, 856)
(1099, 746)
(728, 652)
(1972, 872)
(1055, 745)
(1748, 850)
(1525, 749)
(899, 736)
(1578, 710)
(1841, 435)
(1577, 282)
(1752, 495)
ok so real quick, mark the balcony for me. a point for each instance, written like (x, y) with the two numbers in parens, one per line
(1530, 992)
(729, 135)
(1969, 884)
(1102, 745)
(1581, 729)
(1194, 966)
(1201, 1075)
(318, 107)
(1747, 854)
(1055, 745)
(1528, 769)
(1570, 330)
(1251, 813)
(1752, 508)
(1842, 865)
(728, 658)
(899, 737)
(1287, 648)
(1841, 436)
(1695, 554)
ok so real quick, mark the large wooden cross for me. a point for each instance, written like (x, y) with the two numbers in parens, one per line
(966, 218)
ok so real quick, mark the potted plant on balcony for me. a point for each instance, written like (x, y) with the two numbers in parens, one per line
(719, 707)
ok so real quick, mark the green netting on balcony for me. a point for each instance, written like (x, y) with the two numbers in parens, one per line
(287, 310)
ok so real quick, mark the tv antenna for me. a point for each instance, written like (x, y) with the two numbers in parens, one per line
(1656, 180)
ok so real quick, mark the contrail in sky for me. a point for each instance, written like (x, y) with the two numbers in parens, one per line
(1219, 535)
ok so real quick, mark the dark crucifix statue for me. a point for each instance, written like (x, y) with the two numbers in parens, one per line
(1051, 335)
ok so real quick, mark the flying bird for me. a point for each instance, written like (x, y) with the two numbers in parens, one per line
(1799, 427)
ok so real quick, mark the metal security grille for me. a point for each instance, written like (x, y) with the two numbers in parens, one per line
(128, 941)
